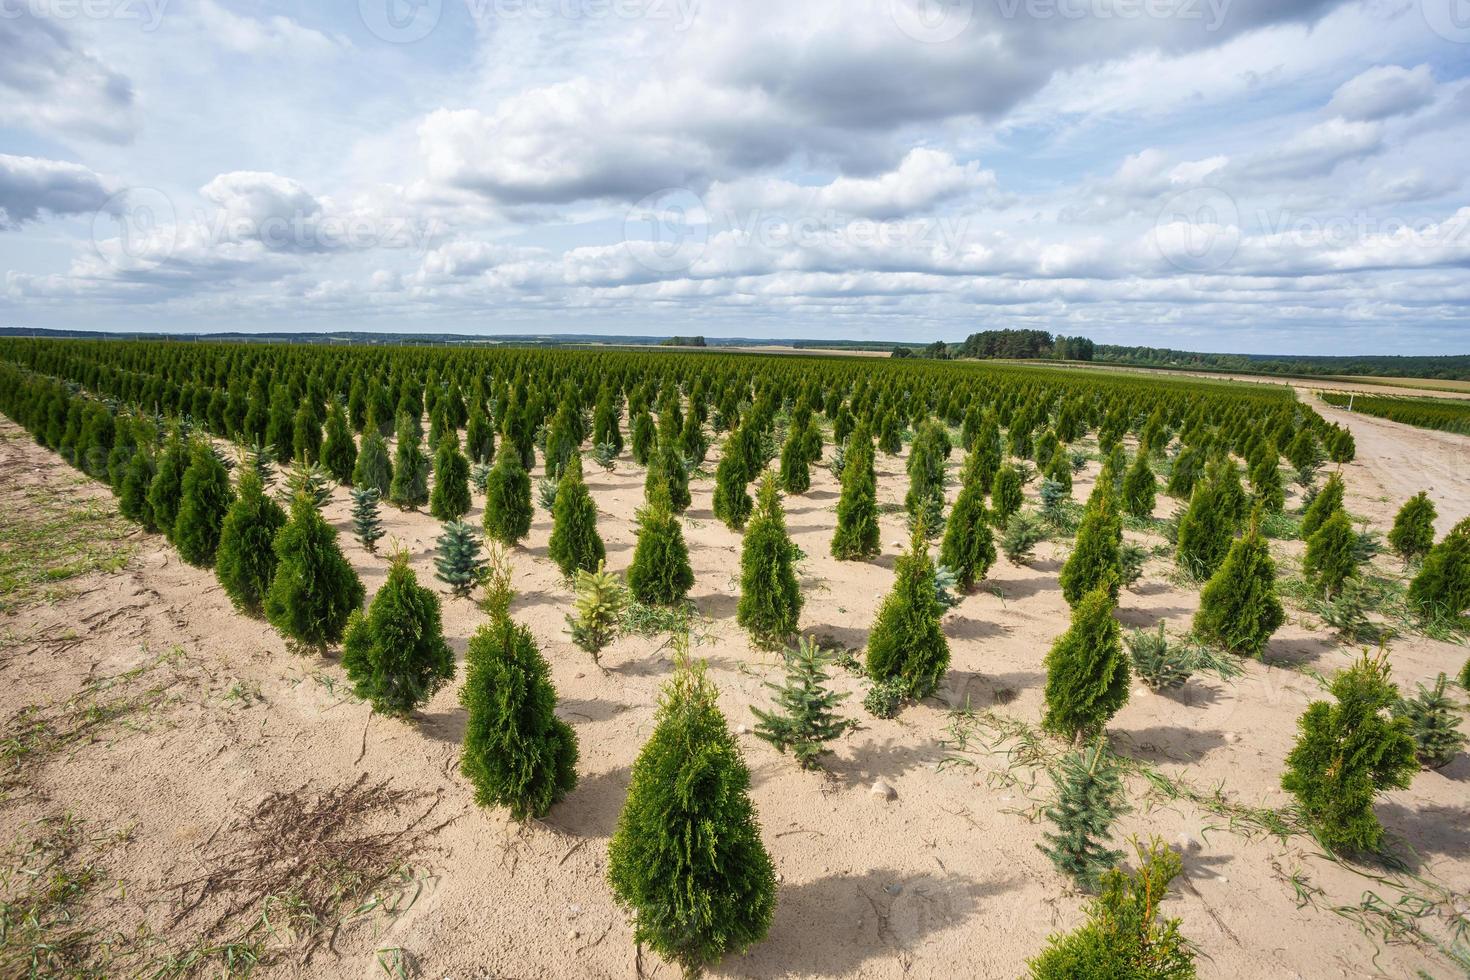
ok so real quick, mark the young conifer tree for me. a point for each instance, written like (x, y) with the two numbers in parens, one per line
(1441, 589)
(204, 499)
(410, 487)
(367, 524)
(645, 436)
(906, 642)
(1413, 528)
(373, 469)
(132, 497)
(1140, 488)
(395, 655)
(732, 501)
(804, 717)
(479, 436)
(770, 596)
(1330, 560)
(246, 560)
(1090, 798)
(601, 599)
(1096, 559)
(1086, 670)
(796, 473)
(686, 859)
(1327, 501)
(1266, 485)
(1005, 495)
(457, 561)
(856, 535)
(450, 499)
(606, 419)
(1204, 532)
(1239, 608)
(339, 452)
(666, 466)
(1349, 752)
(508, 507)
(660, 572)
(575, 543)
(517, 753)
(314, 589)
(168, 483)
(925, 465)
(968, 547)
(1434, 720)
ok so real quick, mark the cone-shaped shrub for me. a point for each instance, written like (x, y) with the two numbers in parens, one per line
(410, 487)
(339, 452)
(692, 442)
(1204, 532)
(1086, 670)
(1005, 495)
(906, 642)
(1413, 528)
(1090, 798)
(645, 436)
(132, 497)
(457, 561)
(796, 472)
(1441, 590)
(1189, 466)
(575, 543)
(508, 497)
(1349, 752)
(451, 497)
(1095, 560)
(1266, 482)
(246, 559)
(373, 469)
(770, 596)
(856, 535)
(1239, 608)
(686, 859)
(605, 419)
(732, 501)
(600, 601)
(1140, 488)
(517, 753)
(660, 573)
(804, 718)
(1330, 560)
(1434, 720)
(968, 548)
(925, 466)
(314, 589)
(563, 439)
(667, 467)
(479, 436)
(168, 484)
(395, 655)
(204, 499)
(367, 525)
(306, 433)
(1327, 501)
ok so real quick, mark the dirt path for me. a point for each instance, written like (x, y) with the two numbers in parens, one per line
(943, 881)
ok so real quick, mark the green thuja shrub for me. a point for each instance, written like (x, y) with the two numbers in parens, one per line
(575, 544)
(246, 559)
(645, 437)
(450, 499)
(204, 499)
(367, 524)
(1441, 589)
(1204, 533)
(395, 655)
(1327, 501)
(508, 508)
(796, 474)
(804, 717)
(686, 859)
(732, 503)
(457, 560)
(339, 452)
(1465, 676)
(968, 546)
(1089, 799)
(1124, 938)
(168, 483)
(906, 641)
(132, 497)
(1140, 488)
(856, 535)
(1095, 560)
(660, 572)
(517, 753)
(1413, 528)
(314, 589)
(770, 596)
(1266, 485)
(409, 489)
(1330, 560)
(1434, 721)
(1347, 753)
(1239, 608)
(373, 469)
(1086, 670)
(598, 608)
(1005, 495)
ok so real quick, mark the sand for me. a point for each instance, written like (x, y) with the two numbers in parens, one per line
(943, 881)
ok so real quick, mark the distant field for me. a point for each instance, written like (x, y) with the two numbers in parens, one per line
(1426, 413)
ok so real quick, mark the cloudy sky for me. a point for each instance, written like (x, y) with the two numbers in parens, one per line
(1241, 175)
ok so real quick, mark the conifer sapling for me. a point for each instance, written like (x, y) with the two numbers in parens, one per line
(804, 718)
(457, 560)
(395, 655)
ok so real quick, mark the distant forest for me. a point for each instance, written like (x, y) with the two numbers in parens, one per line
(1006, 345)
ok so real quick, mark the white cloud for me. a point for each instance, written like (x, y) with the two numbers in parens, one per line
(1383, 91)
(32, 187)
(50, 83)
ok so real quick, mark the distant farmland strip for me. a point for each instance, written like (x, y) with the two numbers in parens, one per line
(1426, 413)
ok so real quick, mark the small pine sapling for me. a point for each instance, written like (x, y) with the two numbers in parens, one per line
(1089, 800)
(1434, 721)
(1162, 665)
(517, 753)
(1347, 753)
(1086, 670)
(599, 604)
(308, 479)
(804, 718)
(1023, 532)
(457, 561)
(1413, 528)
(395, 655)
(367, 523)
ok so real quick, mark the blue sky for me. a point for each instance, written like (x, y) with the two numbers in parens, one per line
(1276, 176)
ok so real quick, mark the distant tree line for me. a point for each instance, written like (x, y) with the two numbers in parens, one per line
(1455, 367)
(1005, 345)
(684, 342)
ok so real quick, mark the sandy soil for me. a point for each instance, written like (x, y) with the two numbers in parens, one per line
(943, 881)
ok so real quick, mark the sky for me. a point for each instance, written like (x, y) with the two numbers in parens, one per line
(1267, 176)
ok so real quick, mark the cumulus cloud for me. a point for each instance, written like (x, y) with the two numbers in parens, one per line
(49, 83)
(31, 187)
(1383, 91)
(1315, 151)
